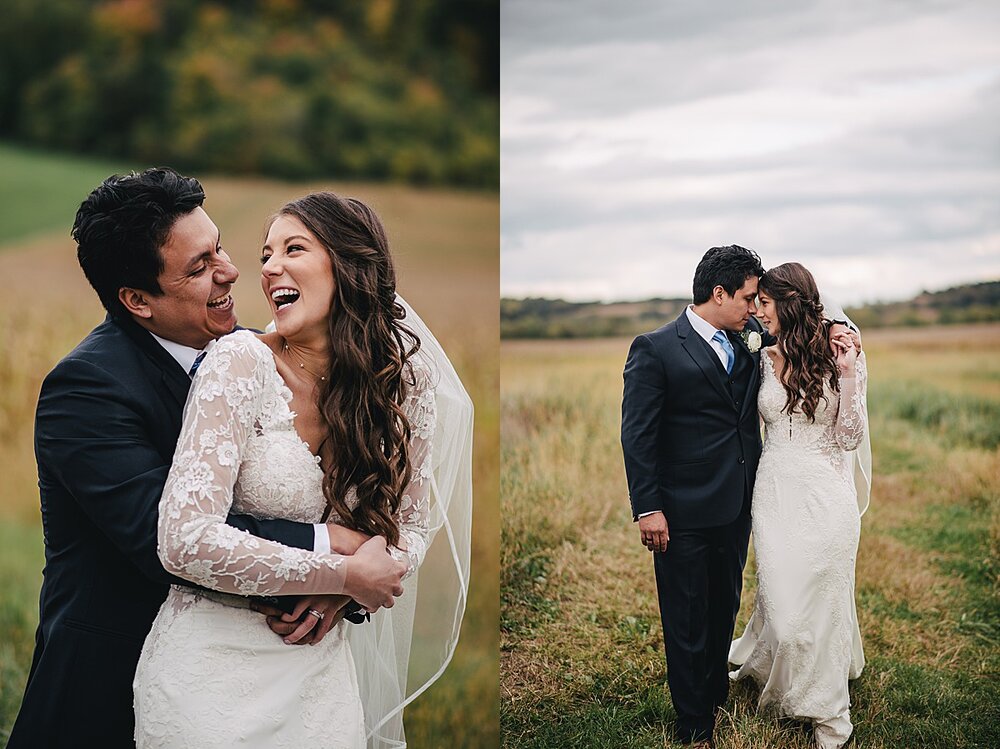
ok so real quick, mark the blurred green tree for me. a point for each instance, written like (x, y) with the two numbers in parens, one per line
(294, 88)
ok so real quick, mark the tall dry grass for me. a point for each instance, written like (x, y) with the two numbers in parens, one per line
(582, 655)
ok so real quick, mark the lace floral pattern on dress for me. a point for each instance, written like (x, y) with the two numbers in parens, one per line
(215, 675)
(803, 642)
(234, 452)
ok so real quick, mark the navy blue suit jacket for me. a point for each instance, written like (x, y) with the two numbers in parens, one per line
(690, 438)
(107, 422)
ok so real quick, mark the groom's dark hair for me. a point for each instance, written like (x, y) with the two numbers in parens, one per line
(122, 225)
(728, 267)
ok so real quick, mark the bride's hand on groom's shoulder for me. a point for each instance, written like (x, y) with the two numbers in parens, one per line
(840, 334)
(374, 578)
(847, 355)
(846, 345)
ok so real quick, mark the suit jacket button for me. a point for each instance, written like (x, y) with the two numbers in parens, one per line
(741, 461)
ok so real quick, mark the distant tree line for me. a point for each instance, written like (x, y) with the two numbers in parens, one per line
(377, 89)
(557, 318)
(970, 303)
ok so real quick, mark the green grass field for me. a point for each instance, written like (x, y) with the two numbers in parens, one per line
(446, 244)
(581, 645)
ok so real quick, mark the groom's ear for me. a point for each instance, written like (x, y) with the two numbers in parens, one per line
(719, 295)
(135, 302)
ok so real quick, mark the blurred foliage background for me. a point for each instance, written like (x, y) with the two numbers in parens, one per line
(402, 90)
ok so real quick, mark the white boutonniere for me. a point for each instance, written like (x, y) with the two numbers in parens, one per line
(752, 339)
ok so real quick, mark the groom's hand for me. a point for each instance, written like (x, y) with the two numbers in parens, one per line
(654, 532)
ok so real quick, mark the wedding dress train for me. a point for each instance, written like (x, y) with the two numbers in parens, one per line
(802, 642)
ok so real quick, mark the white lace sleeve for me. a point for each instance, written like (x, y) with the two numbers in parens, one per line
(850, 429)
(223, 410)
(420, 409)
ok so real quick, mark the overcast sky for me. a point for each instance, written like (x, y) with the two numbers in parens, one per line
(858, 138)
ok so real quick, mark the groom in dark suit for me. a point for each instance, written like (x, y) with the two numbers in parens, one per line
(106, 426)
(691, 442)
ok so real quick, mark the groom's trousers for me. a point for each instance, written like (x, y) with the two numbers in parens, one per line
(699, 579)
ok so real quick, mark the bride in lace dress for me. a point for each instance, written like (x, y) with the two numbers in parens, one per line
(802, 642)
(329, 418)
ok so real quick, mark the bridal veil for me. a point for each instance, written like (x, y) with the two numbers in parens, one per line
(403, 650)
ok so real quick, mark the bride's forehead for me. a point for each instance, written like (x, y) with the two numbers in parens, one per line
(286, 225)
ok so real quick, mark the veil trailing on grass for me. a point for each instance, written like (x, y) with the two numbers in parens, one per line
(403, 650)
(862, 456)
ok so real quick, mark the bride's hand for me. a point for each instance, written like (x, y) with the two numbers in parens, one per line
(373, 577)
(840, 333)
(314, 616)
(847, 355)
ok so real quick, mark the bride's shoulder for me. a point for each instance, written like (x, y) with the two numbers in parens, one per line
(239, 350)
(418, 374)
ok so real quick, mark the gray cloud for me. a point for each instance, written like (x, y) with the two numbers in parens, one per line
(859, 138)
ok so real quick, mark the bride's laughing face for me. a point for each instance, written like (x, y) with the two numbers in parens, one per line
(768, 314)
(297, 279)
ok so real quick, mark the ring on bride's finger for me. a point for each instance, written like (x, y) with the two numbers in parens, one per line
(317, 614)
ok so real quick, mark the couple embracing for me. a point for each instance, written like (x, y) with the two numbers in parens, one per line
(700, 477)
(212, 499)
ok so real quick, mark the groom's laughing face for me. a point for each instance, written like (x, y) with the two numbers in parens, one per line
(735, 310)
(196, 305)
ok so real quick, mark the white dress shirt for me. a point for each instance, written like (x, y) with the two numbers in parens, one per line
(185, 356)
(707, 331)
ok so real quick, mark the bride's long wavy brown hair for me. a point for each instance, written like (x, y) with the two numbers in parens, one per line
(361, 400)
(804, 336)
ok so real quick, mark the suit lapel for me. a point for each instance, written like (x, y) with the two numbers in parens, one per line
(174, 379)
(703, 356)
(741, 345)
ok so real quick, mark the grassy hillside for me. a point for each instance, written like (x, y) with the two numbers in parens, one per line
(41, 192)
(582, 649)
(979, 302)
(446, 244)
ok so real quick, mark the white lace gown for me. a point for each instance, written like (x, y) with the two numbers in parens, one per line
(211, 673)
(803, 642)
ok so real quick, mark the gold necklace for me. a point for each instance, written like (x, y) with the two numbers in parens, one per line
(302, 364)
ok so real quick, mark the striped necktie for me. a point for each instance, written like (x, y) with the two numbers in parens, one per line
(197, 363)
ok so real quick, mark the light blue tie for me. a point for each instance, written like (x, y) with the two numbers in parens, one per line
(727, 347)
